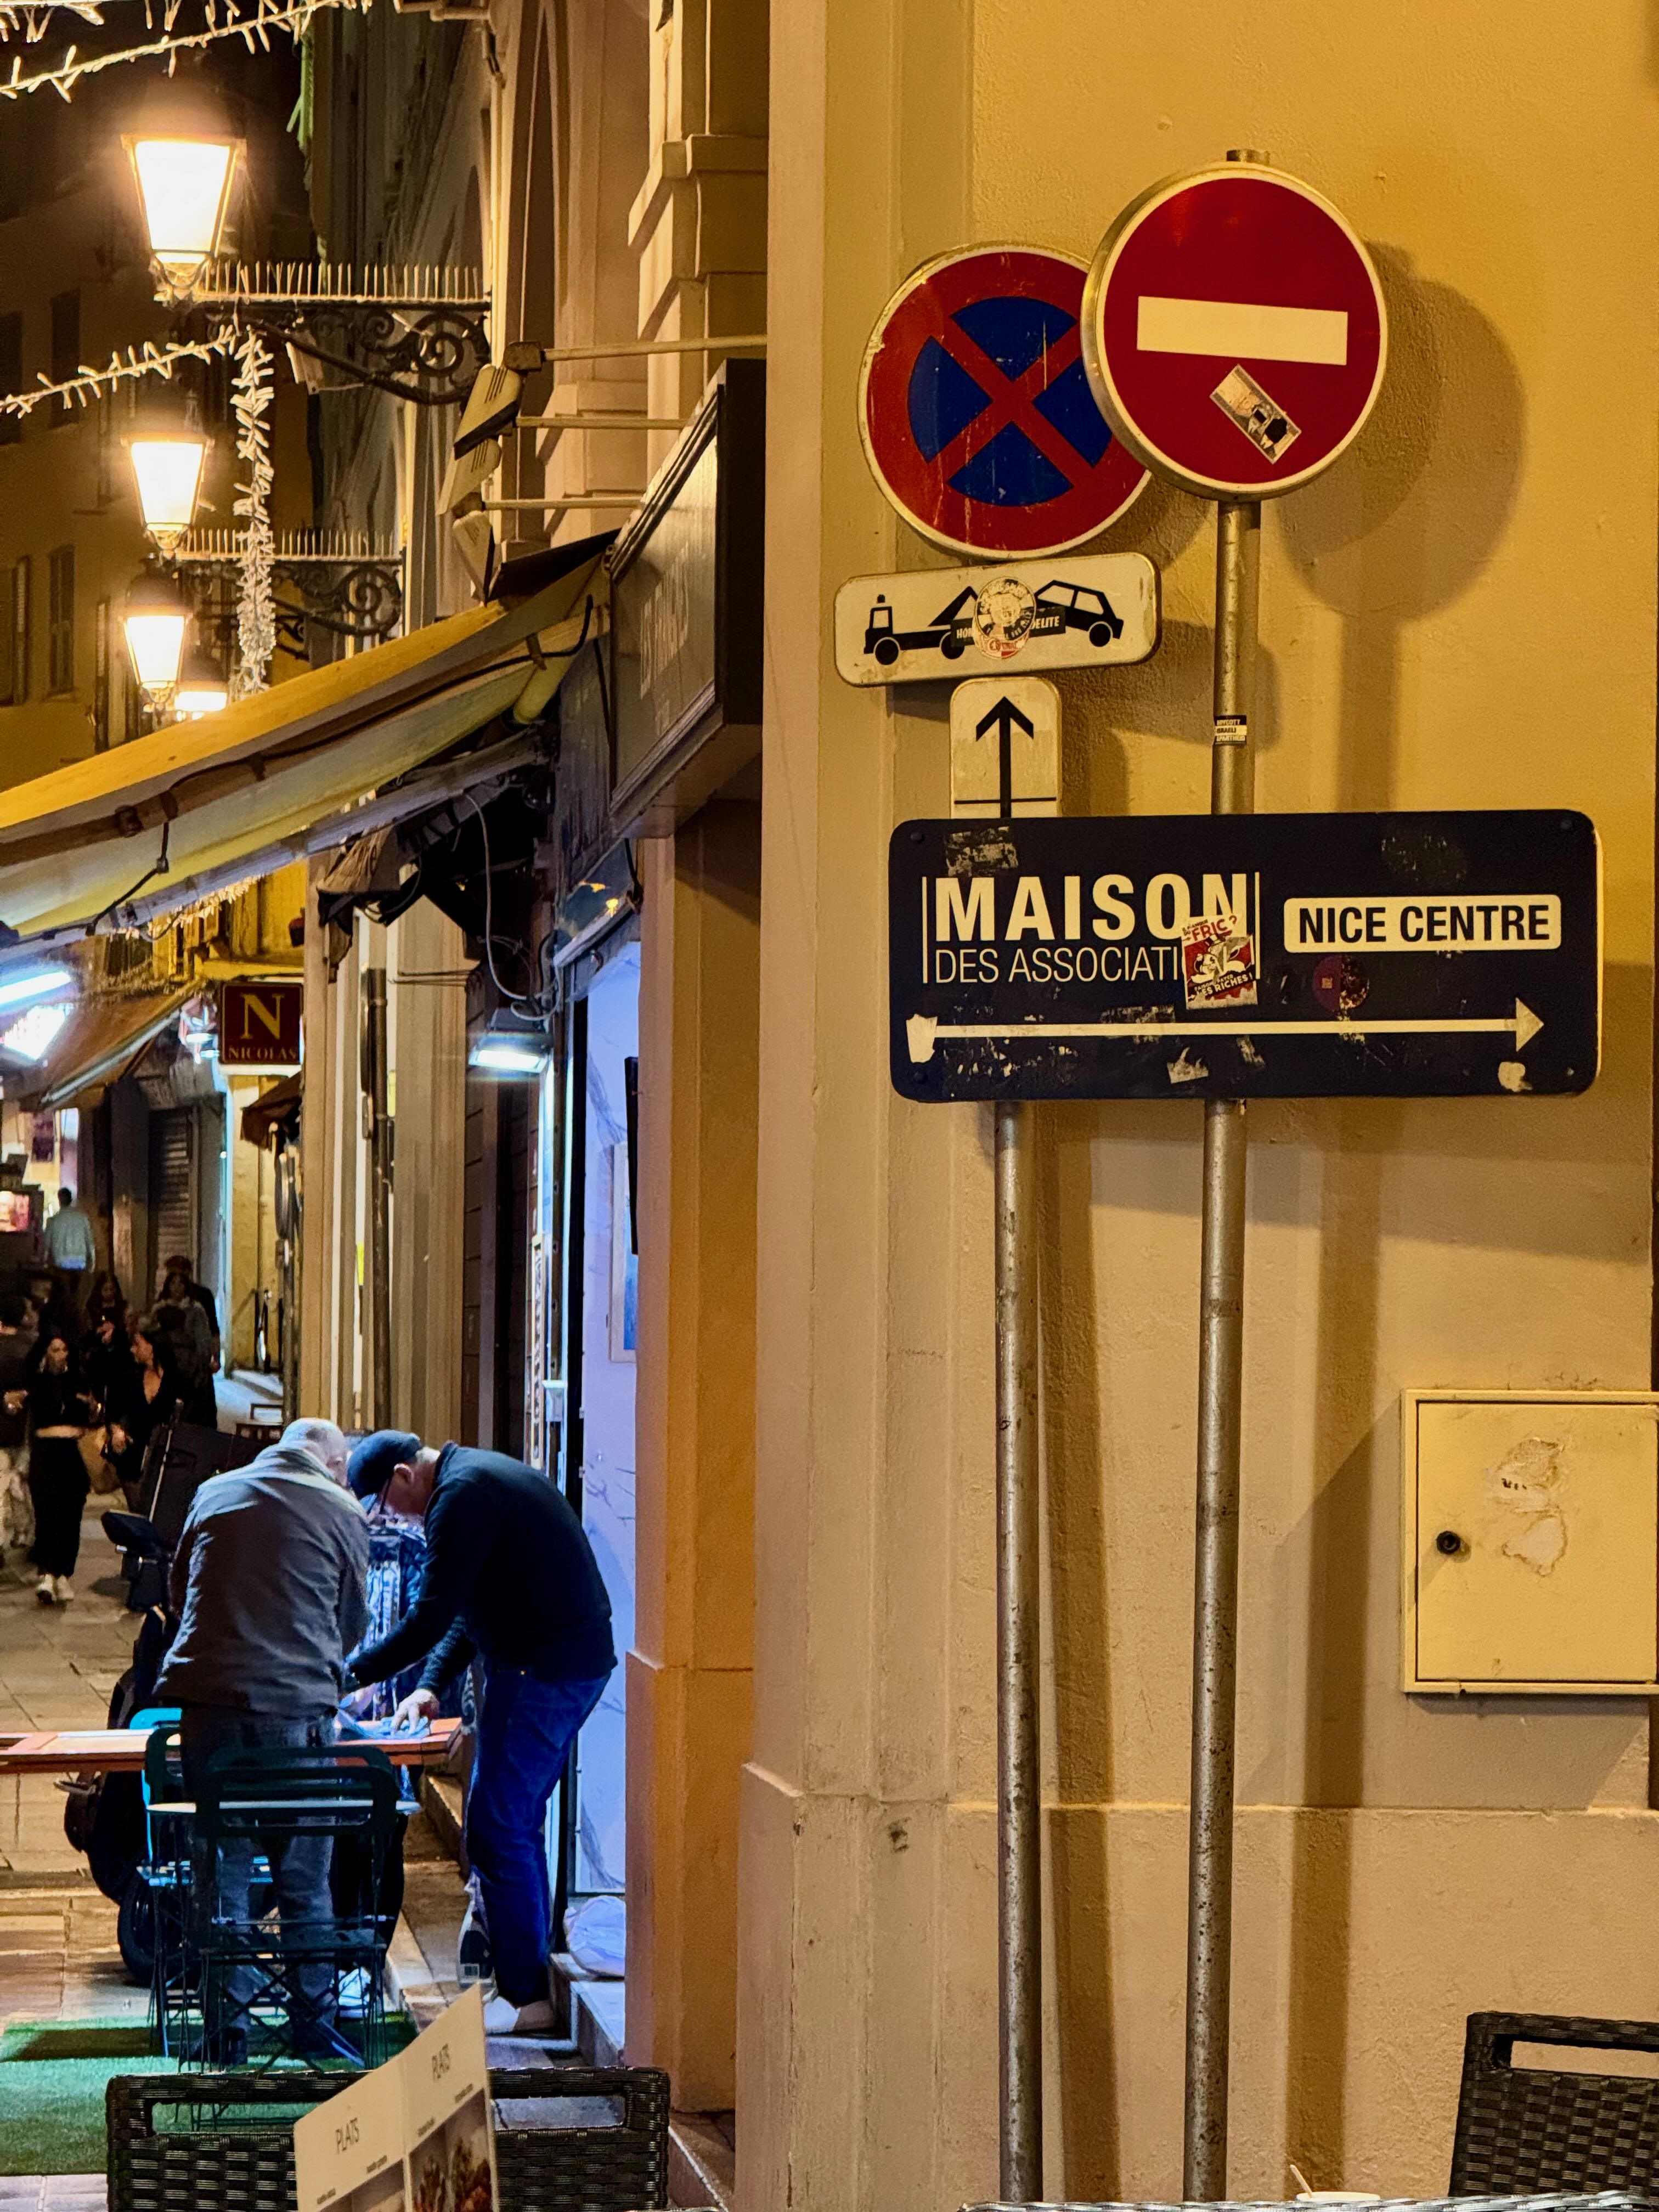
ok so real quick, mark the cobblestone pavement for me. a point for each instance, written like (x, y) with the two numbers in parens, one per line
(58, 1958)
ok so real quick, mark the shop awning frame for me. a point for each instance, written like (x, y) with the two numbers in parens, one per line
(198, 806)
(102, 1037)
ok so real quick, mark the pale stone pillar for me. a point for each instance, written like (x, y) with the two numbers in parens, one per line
(321, 1223)
(689, 1674)
(867, 2067)
(426, 1021)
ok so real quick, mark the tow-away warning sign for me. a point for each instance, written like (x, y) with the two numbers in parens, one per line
(1265, 956)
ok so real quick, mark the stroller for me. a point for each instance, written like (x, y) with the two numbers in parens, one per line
(103, 1815)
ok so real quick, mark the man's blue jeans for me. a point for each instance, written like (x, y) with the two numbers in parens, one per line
(525, 1729)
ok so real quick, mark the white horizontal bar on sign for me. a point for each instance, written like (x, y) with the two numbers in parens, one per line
(1242, 330)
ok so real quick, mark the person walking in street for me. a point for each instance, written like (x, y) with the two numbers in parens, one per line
(16, 1509)
(267, 1583)
(146, 1393)
(182, 1264)
(191, 1346)
(60, 1413)
(71, 1243)
(510, 1577)
(106, 1352)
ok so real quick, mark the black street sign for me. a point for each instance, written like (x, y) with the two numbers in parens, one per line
(1245, 956)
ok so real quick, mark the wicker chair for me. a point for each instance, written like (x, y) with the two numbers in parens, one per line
(1521, 2129)
(569, 2139)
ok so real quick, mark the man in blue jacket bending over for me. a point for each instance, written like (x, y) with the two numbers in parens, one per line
(510, 1577)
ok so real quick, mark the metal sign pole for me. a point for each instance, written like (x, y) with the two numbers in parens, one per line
(1019, 1782)
(1220, 1376)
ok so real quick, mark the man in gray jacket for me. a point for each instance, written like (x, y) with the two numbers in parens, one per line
(268, 1584)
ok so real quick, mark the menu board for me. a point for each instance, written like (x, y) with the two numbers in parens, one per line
(417, 2135)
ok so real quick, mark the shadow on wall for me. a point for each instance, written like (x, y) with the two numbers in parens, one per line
(1398, 531)
(1405, 523)
(1400, 527)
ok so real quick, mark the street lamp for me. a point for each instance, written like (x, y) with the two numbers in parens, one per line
(153, 619)
(184, 188)
(202, 688)
(167, 467)
(420, 333)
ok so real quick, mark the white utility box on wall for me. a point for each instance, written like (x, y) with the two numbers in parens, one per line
(1530, 1526)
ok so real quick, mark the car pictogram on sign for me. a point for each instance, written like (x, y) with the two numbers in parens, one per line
(1077, 606)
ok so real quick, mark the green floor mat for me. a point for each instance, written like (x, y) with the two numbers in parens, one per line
(53, 2077)
(75, 2038)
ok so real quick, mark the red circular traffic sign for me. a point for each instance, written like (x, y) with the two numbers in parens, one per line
(1234, 331)
(976, 413)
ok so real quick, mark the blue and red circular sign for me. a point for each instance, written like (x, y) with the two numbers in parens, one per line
(977, 412)
(1234, 331)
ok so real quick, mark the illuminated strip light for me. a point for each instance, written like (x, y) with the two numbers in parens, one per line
(38, 983)
(31, 1035)
(1242, 330)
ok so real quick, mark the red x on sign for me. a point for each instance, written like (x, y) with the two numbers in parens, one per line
(976, 413)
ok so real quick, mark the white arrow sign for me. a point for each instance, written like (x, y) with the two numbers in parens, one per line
(922, 1032)
(1004, 748)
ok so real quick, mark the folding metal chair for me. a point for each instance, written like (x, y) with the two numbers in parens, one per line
(292, 1982)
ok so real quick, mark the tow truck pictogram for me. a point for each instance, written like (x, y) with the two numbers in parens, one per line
(1059, 606)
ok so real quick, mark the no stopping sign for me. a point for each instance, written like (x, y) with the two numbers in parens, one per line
(1234, 331)
(976, 415)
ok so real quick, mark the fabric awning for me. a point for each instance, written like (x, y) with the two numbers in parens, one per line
(101, 1038)
(210, 797)
(273, 1109)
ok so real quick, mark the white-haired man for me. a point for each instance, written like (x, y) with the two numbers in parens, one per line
(267, 1583)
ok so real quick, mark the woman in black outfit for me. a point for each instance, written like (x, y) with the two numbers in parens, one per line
(105, 1354)
(147, 1393)
(58, 1414)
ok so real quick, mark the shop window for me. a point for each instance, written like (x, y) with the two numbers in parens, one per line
(66, 347)
(60, 627)
(12, 373)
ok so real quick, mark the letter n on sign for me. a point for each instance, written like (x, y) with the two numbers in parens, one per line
(259, 1024)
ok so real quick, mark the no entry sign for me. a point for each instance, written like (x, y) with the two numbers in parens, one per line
(1234, 331)
(977, 412)
(1245, 956)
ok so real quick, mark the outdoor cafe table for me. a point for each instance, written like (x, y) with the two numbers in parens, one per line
(121, 1751)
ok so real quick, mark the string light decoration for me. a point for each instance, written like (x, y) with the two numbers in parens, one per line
(146, 359)
(256, 611)
(253, 21)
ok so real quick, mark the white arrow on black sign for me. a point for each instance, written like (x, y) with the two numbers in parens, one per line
(922, 1031)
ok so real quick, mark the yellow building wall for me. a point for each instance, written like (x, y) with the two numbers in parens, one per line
(1461, 614)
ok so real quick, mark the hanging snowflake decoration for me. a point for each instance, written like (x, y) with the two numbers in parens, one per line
(87, 383)
(251, 21)
(256, 608)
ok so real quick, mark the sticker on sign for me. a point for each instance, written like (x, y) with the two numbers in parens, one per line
(1075, 611)
(1234, 331)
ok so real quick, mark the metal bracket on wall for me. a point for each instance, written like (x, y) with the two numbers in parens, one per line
(346, 582)
(420, 333)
